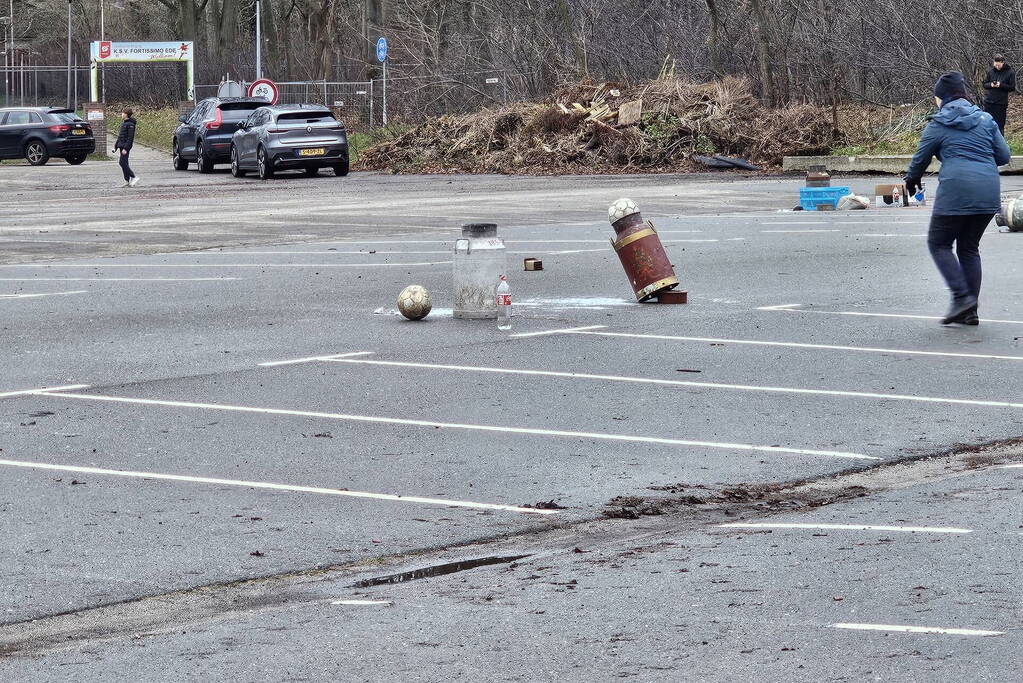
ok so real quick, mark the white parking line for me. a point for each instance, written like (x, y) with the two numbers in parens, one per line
(221, 265)
(779, 307)
(562, 331)
(796, 231)
(887, 234)
(116, 279)
(1012, 467)
(667, 382)
(35, 296)
(794, 308)
(799, 345)
(312, 359)
(275, 487)
(918, 629)
(29, 392)
(850, 527)
(322, 252)
(374, 419)
(361, 602)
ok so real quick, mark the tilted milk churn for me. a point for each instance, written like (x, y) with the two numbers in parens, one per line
(640, 251)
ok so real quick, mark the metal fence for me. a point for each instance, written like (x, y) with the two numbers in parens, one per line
(407, 99)
(355, 101)
(26, 84)
(362, 104)
(31, 85)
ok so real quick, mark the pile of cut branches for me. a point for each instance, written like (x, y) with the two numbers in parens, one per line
(658, 126)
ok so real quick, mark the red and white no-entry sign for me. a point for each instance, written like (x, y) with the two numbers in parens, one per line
(266, 89)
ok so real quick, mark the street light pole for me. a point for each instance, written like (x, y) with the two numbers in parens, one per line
(259, 42)
(7, 57)
(102, 37)
(10, 45)
(69, 54)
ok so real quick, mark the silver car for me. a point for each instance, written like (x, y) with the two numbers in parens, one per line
(276, 138)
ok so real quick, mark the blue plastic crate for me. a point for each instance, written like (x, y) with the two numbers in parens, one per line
(812, 197)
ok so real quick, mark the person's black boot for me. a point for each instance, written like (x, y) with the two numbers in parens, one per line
(960, 308)
(971, 317)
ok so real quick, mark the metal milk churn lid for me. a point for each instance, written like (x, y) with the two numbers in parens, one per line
(479, 262)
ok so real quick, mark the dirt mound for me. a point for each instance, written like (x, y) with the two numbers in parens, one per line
(583, 129)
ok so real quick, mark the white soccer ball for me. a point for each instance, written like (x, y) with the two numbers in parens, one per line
(620, 209)
(414, 302)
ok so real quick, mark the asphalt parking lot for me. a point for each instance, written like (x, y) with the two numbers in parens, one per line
(206, 382)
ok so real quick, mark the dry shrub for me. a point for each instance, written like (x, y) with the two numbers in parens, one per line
(680, 119)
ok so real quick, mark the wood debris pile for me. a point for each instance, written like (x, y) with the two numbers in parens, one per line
(658, 126)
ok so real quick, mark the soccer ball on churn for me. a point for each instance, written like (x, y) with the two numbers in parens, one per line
(620, 209)
(414, 302)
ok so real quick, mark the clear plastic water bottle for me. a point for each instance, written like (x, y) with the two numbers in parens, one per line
(504, 304)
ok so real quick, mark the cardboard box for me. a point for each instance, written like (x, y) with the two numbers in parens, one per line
(890, 196)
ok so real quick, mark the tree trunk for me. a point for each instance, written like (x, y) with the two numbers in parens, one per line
(714, 39)
(764, 52)
(271, 40)
(565, 17)
(187, 19)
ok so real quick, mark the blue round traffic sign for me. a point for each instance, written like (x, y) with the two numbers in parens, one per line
(382, 50)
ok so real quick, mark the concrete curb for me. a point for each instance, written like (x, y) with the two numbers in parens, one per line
(895, 164)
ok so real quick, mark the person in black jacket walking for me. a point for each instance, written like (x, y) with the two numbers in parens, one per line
(125, 140)
(998, 83)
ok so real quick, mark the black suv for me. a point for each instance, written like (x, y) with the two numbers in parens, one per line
(38, 133)
(204, 136)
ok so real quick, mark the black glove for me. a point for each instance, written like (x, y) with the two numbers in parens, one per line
(912, 185)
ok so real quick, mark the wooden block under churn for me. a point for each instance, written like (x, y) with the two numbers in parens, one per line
(673, 298)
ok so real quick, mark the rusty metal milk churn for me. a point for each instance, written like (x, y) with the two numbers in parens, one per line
(640, 250)
(479, 263)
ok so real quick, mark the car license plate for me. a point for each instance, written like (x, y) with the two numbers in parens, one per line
(78, 131)
(312, 152)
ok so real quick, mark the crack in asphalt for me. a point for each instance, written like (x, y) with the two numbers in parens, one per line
(692, 508)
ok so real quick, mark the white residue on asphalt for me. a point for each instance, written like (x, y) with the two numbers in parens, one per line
(594, 303)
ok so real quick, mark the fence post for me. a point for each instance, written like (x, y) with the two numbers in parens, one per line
(371, 98)
(96, 115)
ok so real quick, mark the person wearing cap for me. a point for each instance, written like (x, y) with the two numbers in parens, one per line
(970, 147)
(998, 83)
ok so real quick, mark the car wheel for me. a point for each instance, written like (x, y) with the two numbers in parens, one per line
(36, 154)
(312, 171)
(75, 159)
(179, 163)
(341, 169)
(266, 171)
(236, 168)
(204, 163)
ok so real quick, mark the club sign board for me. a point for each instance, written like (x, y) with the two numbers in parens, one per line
(106, 51)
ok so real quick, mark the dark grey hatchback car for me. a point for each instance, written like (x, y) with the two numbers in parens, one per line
(204, 136)
(304, 137)
(38, 133)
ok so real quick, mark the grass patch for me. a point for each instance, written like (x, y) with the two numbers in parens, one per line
(153, 128)
(1015, 144)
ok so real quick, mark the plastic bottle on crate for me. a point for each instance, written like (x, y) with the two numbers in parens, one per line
(504, 304)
